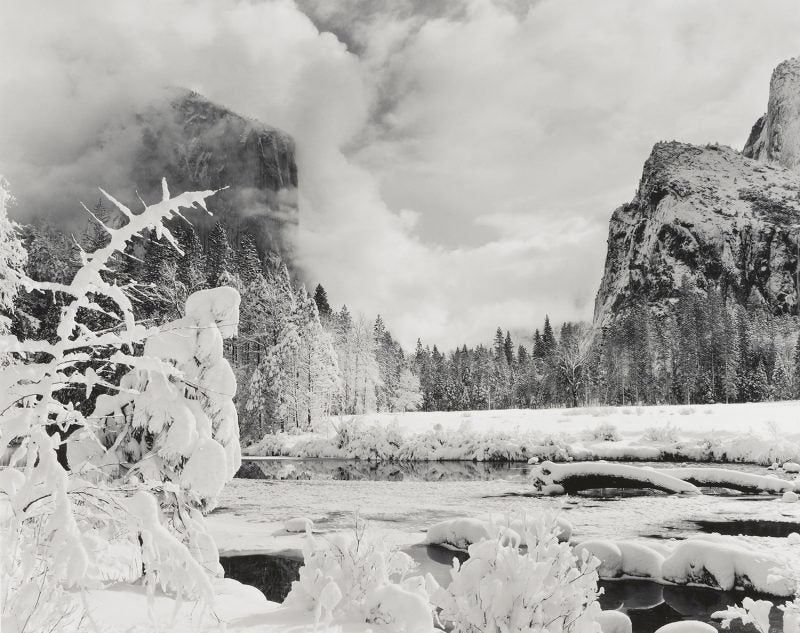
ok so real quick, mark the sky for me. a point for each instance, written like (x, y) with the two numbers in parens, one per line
(459, 161)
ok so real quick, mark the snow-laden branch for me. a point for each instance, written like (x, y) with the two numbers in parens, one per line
(171, 417)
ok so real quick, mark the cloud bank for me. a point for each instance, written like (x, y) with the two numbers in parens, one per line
(458, 161)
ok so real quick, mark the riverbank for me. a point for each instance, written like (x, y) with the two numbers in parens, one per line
(759, 433)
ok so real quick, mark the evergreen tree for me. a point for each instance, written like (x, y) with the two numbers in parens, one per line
(248, 263)
(538, 346)
(219, 260)
(548, 338)
(499, 344)
(192, 264)
(508, 348)
(321, 299)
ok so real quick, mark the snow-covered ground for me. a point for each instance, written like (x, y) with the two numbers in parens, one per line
(760, 433)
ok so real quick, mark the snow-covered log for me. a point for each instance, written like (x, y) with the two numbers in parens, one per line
(733, 479)
(576, 476)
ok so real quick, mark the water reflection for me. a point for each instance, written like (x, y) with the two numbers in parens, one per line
(353, 469)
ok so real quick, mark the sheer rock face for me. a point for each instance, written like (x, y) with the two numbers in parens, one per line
(713, 216)
(775, 137)
(199, 145)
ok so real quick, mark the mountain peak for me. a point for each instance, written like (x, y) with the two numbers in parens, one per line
(775, 137)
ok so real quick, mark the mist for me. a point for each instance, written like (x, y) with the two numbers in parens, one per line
(458, 164)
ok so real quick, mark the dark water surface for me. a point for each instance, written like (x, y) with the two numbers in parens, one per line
(649, 605)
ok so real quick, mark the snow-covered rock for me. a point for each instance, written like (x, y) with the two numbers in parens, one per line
(789, 497)
(614, 622)
(607, 552)
(623, 558)
(726, 566)
(299, 524)
(461, 533)
(794, 538)
(791, 467)
(640, 560)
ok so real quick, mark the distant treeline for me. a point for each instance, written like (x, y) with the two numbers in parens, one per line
(298, 361)
(700, 349)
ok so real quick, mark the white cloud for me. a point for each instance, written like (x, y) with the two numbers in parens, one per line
(457, 166)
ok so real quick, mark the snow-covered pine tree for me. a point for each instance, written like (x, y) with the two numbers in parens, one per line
(409, 392)
(220, 260)
(508, 348)
(270, 402)
(248, 262)
(192, 264)
(317, 362)
(13, 259)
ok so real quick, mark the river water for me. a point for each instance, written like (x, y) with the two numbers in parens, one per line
(411, 497)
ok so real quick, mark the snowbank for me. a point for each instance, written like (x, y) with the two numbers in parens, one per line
(460, 533)
(574, 477)
(614, 622)
(299, 524)
(726, 566)
(724, 563)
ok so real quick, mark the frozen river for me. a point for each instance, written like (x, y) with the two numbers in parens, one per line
(411, 497)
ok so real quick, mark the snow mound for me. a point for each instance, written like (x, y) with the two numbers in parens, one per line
(791, 467)
(789, 497)
(614, 622)
(726, 565)
(459, 533)
(609, 555)
(624, 558)
(299, 524)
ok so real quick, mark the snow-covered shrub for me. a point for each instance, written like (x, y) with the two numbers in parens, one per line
(180, 424)
(66, 529)
(662, 433)
(359, 578)
(500, 588)
(755, 612)
(603, 432)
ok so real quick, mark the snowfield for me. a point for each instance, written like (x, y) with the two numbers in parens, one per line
(761, 433)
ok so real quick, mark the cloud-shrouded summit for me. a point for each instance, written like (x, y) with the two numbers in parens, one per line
(458, 162)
